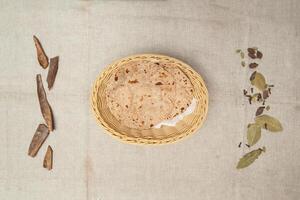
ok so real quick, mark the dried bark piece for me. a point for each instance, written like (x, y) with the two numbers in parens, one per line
(38, 139)
(253, 65)
(48, 159)
(52, 71)
(41, 55)
(44, 105)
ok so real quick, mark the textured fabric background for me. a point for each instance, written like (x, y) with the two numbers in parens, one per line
(91, 165)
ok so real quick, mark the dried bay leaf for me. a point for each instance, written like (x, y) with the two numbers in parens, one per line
(48, 159)
(38, 139)
(52, 71)
(259, 110)
(238, 51)
(253, 134)
(269, 123)
(41, 55)
(268, 108)
(249, 158)
(44, 104)
(258, 80)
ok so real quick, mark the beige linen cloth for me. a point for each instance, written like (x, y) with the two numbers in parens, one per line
(91, 165)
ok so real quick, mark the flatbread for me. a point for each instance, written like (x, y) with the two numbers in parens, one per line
(143, 93)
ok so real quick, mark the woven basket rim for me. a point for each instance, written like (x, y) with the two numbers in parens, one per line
(143, 141)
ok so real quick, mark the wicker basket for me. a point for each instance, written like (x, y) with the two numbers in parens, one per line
(163, 135)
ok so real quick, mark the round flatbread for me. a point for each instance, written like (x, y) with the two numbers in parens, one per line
(141, 94)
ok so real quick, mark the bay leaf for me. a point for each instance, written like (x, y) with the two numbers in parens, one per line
(253, 134)
(44, 104)
(38, 139)
(41, 55)
(52, 71)
(259, 110)
(249, 158)
(48, 159)
(238, 51)
(269, 123)
(258, 80)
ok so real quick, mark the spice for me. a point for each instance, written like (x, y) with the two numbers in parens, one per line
(243, 63)
(251, 55)
(251, 50)
(41, 55)
(253, 134)
(240, 144)
(259, 54)
(48, 159)
(262, 121)
(52, 71)
(38, 139)
(259, 110)
(249, 158)
(265, 94)
(44, 104)
(242, 55)
(253, 65)
(258, 80)
(268, 122)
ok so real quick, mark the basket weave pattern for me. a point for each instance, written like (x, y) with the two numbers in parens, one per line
(160, 136)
